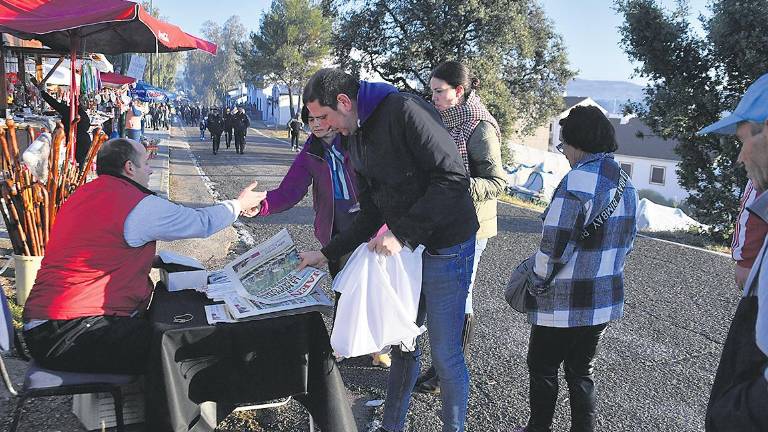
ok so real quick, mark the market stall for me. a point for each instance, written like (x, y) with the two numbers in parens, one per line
(75, 30)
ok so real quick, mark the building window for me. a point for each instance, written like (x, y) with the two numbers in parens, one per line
(658, 175)
(627, 168)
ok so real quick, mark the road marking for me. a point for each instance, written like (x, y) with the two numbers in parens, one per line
(281, 140)
(239, 227)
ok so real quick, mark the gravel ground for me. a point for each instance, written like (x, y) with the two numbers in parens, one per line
(655, 366)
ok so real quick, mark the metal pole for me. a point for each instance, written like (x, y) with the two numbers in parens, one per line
(152, 55)
(3, 84)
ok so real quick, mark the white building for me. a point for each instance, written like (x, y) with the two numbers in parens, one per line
(546, 137)
(272, 103)
(650, 161)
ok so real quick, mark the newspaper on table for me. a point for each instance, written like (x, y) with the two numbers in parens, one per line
(267, 273)
(264, 281)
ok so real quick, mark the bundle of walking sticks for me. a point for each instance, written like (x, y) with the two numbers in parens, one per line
(28, 204)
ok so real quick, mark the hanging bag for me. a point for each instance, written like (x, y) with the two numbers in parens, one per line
(520, 281)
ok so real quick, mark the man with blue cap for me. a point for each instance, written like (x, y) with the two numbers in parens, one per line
(739, 395)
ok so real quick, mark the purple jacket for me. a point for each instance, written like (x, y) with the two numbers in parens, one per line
(310, 167)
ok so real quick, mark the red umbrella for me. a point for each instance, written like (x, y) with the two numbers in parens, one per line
(105, 26)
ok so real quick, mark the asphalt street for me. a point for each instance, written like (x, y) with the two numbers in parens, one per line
(655, 366)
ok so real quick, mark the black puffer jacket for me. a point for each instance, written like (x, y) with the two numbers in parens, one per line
(410, 174)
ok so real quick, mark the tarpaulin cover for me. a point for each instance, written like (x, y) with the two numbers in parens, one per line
(115, 78)
(105, 26)
(149, 93)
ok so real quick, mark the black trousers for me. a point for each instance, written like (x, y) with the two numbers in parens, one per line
(239, 142)
(294, 141)
(216, 141)
(228, 135)
(92, 344)
(576, 347)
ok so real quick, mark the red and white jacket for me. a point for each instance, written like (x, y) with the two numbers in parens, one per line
(750, 230)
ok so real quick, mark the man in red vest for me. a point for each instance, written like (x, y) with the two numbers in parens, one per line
(85, 310)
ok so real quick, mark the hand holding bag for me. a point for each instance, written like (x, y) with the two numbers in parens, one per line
(519, 284)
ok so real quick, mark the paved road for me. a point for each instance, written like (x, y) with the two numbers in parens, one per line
(655, 366)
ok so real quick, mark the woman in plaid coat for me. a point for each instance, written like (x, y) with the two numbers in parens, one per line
(581, 279)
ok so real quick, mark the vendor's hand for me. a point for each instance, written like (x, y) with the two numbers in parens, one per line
(385, 244)
(250, 199)
(251, 212)
(311, 259)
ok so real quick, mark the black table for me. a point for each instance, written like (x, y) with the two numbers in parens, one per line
(246, 362)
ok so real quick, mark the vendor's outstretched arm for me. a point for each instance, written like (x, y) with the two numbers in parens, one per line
(155, 218)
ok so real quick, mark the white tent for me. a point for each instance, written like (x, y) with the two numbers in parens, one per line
(656, 217)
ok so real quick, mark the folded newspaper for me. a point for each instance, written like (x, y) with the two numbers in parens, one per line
(264, 282)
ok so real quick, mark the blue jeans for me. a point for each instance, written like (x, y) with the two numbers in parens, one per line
(480, 245)
(445, 282)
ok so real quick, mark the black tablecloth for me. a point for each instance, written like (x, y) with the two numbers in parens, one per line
(247, 362)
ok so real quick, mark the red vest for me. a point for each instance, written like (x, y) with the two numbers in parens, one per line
(88, 268)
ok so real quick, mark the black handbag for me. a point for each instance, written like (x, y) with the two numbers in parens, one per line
(520, 284)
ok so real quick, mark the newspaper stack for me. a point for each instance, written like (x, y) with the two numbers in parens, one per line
(264, 281)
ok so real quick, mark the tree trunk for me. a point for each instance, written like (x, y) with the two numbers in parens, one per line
(290, 101)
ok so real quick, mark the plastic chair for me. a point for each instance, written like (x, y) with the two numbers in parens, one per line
(40, 382)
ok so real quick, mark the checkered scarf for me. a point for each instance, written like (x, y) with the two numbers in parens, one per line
(461, 120)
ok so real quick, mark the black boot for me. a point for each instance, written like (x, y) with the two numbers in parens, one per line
(429, 382)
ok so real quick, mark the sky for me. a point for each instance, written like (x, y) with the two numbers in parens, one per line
(589, 28)
(590, 33)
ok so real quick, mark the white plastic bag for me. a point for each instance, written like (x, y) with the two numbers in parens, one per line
(36, 156)
(379, 302)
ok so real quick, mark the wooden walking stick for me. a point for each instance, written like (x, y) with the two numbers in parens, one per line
(14, 142)
(42, 197)
(53, 171)
(5, 189)
(6, 152)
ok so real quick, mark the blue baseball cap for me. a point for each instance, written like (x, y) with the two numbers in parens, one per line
(752, 107)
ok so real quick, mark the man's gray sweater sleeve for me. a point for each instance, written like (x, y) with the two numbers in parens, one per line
(155, 218)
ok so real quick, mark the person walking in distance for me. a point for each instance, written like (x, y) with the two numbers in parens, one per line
(228, 124)
(294, 128)
(215, 125)
(241, 124)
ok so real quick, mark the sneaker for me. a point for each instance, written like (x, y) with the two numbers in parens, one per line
(381, 360)
(430, 386)
(426, 376)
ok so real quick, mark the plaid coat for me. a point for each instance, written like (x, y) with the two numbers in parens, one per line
(588, 283)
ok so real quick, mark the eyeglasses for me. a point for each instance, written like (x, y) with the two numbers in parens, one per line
(559, 147)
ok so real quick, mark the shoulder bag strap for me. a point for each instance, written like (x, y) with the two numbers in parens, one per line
(603, 216)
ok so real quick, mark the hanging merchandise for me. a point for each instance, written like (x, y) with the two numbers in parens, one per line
(89, 79)
(379, 302)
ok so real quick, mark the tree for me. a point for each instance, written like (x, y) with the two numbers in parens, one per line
(692, 80)
(210, 77)
(292, 42)
(509, 45)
